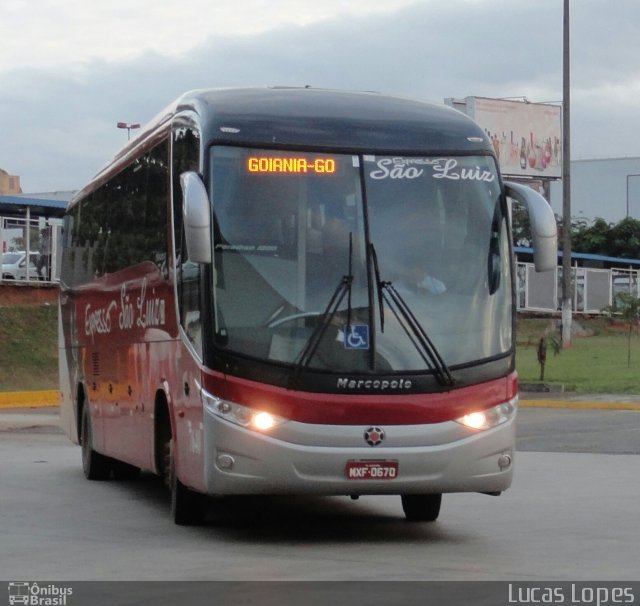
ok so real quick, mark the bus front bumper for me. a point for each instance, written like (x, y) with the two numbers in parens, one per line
(300, 458)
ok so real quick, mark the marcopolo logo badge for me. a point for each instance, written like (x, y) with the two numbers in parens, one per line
(348, 383)
(34, 594)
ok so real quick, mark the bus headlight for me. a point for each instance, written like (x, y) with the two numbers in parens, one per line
(491, 417)
(244, 416)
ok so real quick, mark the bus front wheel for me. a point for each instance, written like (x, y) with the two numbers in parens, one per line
(421, 507)
(94, 465)
(188, 508)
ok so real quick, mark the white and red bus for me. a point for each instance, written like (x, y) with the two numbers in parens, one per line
(296, 291)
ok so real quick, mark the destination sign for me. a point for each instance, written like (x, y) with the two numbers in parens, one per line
(291, 165)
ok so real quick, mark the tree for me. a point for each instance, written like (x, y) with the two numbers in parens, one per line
(624, 239)
(20, 242)
(598, 237)
(591, 236)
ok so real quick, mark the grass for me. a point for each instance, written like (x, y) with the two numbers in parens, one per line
(594, 364)
(28, 347)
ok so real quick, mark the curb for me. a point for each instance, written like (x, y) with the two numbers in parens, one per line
(29, 399)
(579, 404)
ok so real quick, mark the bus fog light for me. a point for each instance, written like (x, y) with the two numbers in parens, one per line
(492, 417)
(225, 461)
(504, 461)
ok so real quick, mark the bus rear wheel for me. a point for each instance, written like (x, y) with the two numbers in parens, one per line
(421, 507)
(94, 465)
(188, 508)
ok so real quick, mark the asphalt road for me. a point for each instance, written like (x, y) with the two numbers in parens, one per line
(569, 515)
(563, 430)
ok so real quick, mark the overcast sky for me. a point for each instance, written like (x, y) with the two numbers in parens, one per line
(71, 69)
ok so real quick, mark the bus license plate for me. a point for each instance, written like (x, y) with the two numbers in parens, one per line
(371, 470)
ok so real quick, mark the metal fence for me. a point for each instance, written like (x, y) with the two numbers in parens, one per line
(42, 238)
(592, 289)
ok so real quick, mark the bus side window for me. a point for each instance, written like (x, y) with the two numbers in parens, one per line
(186, 157)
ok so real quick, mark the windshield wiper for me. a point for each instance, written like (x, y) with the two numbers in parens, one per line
(376, 271)
(410, 324)
(343, 289)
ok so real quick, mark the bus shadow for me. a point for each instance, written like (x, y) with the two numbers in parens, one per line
(295, 519)
(318, 519)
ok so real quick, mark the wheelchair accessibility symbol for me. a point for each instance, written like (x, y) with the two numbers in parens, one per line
(356, 336)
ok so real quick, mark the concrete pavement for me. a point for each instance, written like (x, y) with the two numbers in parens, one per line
(37, 418)
(30, 410)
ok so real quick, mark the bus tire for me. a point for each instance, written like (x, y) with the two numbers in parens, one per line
(421, 507)
(94, 465)
(188, 508)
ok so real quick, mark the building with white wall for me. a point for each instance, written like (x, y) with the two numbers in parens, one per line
(607, 188)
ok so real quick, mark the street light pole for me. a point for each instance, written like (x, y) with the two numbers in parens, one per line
(566, 182)
(128, 127)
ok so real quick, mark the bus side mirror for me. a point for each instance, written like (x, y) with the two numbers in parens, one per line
(544, 231)
(196, 218)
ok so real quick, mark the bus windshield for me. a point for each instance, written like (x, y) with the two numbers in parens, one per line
(295, 236)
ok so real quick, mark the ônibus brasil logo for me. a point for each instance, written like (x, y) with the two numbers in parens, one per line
(35, 594)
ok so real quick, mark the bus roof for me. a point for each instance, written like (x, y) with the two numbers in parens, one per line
(337, 120)
(312, 119)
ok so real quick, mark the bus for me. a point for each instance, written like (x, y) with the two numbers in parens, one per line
(296, 291)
